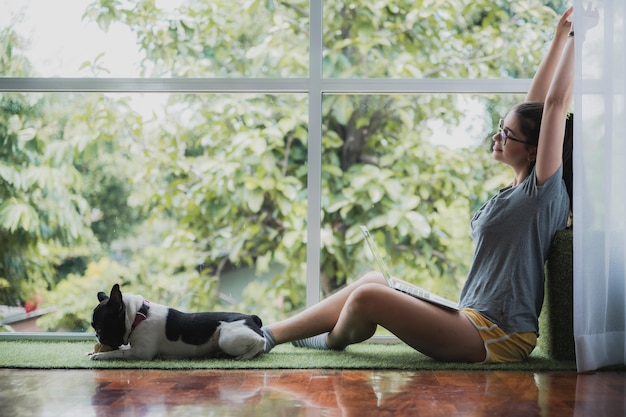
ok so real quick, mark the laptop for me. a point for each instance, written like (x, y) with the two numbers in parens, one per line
(406, 288)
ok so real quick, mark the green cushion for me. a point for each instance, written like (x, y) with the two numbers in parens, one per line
(556, 322)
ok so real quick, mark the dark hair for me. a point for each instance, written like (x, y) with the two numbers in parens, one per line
(529, 117)
(568, 148)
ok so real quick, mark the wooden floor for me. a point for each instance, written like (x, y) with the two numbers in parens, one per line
(101, 393)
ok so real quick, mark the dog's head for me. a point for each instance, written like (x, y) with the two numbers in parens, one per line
(109, 318)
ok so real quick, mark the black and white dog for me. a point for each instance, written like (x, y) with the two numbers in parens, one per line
(146, 330)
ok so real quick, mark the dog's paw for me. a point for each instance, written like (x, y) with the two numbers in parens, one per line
(252, 351)
(99, 347)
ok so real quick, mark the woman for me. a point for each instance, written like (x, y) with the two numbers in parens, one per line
(502, 297)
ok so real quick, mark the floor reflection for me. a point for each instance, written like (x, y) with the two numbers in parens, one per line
(309, 393)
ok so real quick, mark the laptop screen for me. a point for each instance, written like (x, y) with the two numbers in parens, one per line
(374, 249)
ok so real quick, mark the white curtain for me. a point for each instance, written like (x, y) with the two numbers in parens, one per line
(600, 186)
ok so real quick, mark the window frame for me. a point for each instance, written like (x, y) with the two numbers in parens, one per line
(315, 86)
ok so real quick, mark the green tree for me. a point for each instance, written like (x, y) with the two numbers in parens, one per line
(103, 129)
(41, 212)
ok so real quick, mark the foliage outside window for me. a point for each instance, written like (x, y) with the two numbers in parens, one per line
(200, 200)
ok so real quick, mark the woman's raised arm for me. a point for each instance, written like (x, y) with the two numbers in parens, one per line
(556, 106)
(543, 77)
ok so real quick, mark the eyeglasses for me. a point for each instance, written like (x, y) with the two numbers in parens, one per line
(505, 136)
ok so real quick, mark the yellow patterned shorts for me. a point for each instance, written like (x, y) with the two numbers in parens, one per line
(499, 345)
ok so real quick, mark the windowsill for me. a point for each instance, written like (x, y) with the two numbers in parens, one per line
(47, 336)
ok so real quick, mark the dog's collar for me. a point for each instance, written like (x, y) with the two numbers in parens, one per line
(141, 315)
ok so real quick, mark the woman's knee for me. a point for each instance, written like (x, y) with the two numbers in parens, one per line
(358, 319)
(364, 298)
(363, 295)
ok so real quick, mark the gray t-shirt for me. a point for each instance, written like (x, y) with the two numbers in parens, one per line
(513, 232)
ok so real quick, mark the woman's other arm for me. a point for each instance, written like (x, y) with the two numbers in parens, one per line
(556, 106)
(543, 77)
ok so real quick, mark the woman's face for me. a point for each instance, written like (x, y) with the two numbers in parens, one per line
(510, 145)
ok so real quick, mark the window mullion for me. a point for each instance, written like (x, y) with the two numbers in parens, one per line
(314, 174)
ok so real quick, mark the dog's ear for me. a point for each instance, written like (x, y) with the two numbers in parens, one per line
(116, 296)
(102, 296)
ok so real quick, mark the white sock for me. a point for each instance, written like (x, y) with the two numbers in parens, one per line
(315, 342)
(270, 342)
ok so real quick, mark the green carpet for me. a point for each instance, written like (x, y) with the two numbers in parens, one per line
(72, 355)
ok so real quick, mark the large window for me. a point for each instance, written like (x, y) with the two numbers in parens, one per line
(211, 156)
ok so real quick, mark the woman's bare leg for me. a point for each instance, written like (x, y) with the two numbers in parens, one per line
(321, 317)
(352, 314)
(435, 331)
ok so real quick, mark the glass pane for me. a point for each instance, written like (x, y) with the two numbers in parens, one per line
(414, 169)
(436, 39)
(194, 201)
(167, 38)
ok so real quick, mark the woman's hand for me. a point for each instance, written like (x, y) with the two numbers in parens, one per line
(564, 26)
(543, 77)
